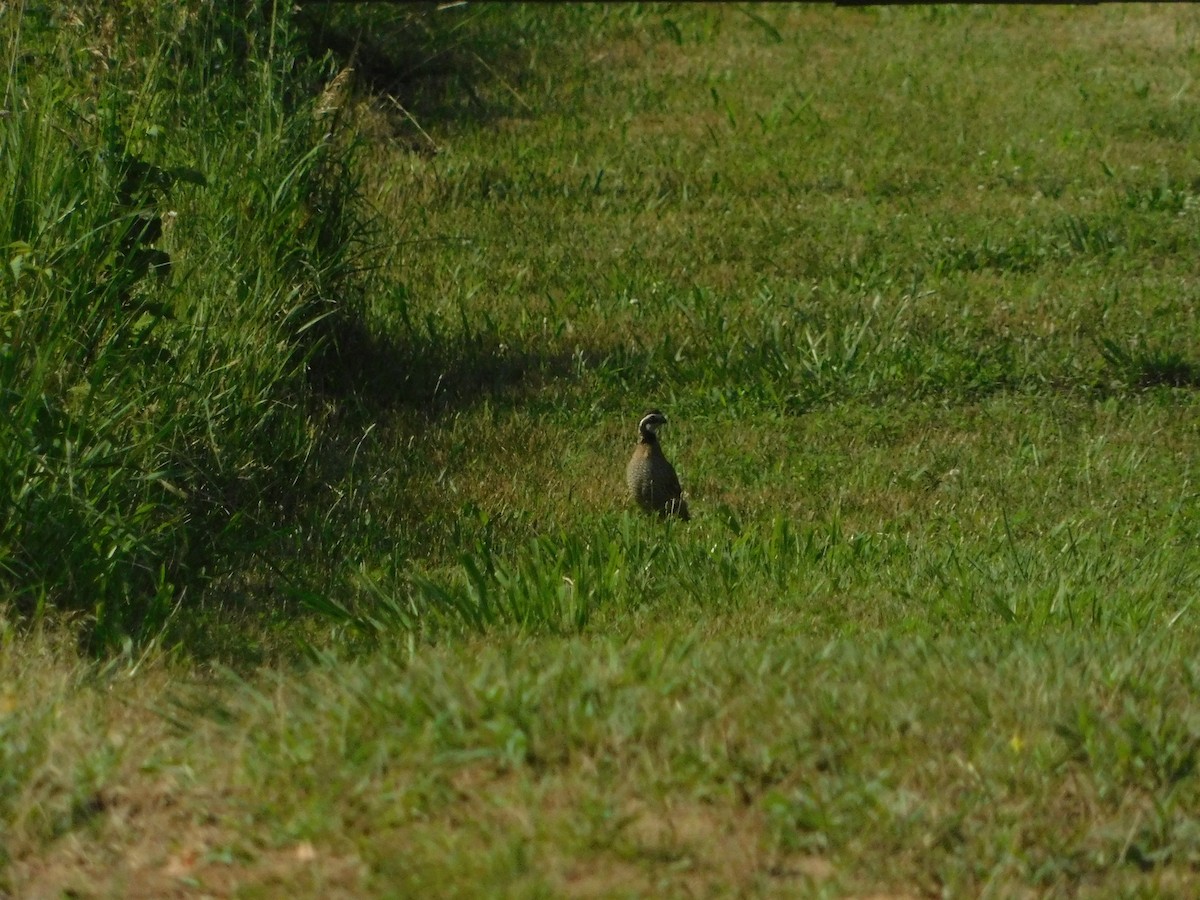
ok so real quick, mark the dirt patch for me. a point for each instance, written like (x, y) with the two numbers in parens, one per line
(684, 846)
(155, 841)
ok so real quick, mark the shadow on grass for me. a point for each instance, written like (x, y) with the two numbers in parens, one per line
(1149, 367)
(427, 66)
(433, 63)
(427, 62)
(429, 374)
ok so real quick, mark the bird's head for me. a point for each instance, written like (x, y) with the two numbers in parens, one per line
(650, 423)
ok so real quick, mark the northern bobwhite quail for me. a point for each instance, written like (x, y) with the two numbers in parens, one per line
(651, 478)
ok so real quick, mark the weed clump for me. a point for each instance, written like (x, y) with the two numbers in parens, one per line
(170, 271)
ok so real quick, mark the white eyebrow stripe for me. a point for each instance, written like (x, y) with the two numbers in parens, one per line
(652, 415)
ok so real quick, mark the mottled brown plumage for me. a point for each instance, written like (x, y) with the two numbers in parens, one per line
(651, 478)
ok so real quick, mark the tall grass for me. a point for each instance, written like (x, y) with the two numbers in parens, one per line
(178, 227)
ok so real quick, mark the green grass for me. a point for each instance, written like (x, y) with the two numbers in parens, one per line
(178, 239)
(917, 290)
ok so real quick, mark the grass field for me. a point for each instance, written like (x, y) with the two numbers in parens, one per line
(917, 289)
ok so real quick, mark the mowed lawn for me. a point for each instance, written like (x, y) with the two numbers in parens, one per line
(917, 289)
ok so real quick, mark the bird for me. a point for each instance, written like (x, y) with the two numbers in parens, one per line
(650, 476)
